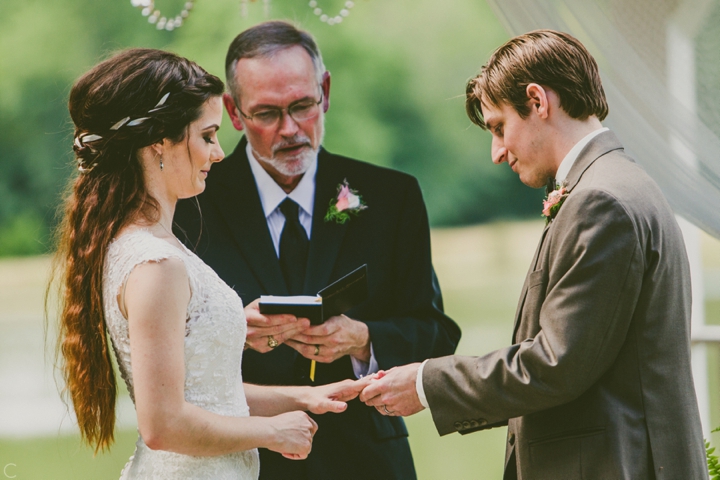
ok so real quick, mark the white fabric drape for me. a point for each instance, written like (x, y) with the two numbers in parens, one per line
(660, 64)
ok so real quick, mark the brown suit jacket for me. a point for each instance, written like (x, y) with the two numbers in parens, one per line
(597, 383)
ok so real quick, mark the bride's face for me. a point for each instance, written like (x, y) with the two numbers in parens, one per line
(187, 163)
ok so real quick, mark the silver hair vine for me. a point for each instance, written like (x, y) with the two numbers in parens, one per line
(86, 138)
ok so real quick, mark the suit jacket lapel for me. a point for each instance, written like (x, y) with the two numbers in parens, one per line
(326, 237)
(239, 202)
(597, 147)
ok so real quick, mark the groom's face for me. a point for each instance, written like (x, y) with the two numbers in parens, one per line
(519, 142)
(281, 81)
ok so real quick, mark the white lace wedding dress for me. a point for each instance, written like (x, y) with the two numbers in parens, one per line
(214, 338)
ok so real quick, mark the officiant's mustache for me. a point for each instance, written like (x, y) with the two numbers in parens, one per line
(294, 142)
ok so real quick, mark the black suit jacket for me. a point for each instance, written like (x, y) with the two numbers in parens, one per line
(404, 310)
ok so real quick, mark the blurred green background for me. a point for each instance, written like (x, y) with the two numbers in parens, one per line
(399, 70)
(398, 67)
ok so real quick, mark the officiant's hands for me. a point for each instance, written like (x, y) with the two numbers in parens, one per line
(265, 332)
(394, 392)
(336, 337)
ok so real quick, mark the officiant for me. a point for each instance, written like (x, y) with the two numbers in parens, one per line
(283, 216)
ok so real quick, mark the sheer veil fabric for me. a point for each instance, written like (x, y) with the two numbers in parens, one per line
(660, 65)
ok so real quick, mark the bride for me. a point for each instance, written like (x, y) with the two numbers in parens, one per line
(146, 126)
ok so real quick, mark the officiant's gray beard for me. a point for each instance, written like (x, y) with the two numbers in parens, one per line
(305, 159)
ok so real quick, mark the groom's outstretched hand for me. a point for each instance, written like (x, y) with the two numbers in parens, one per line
(393, 392)
(263, 329)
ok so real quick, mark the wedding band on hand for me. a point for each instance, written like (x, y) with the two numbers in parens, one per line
(317, 350)
(272, 343)
(386, 410)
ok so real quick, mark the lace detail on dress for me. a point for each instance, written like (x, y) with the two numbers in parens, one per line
(214, 337)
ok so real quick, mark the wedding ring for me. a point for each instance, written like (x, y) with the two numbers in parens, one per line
(386, 410)
(317, 350)
(272, 343)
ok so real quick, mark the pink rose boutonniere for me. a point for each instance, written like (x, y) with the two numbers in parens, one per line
(347, 202)
(553, 202)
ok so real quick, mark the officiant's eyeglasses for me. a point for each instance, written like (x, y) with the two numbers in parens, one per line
(303, 110)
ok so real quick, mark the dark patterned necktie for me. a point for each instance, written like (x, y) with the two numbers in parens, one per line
(294, 246)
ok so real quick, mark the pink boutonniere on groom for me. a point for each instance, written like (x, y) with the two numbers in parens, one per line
(553, 202)
(347, 202)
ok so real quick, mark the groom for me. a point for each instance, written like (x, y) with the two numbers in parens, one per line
(271, 223)
(597, 381)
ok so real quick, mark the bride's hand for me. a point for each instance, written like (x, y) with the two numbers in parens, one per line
(292, 434)
(333, 397)
(264, 331)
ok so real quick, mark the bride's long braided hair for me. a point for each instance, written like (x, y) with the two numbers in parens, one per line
(134, 99)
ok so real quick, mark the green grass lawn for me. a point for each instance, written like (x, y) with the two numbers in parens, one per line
(481, 270)
(62, 457)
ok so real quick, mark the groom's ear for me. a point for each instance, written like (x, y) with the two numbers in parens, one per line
(538, 100)
(233, 111)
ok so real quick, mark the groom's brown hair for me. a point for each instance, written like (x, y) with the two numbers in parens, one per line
(555, 60)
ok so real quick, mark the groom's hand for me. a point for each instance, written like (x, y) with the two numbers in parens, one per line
(336, 337)
(393, 392)
(261, 328)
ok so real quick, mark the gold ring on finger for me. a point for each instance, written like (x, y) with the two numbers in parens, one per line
(272, 343)
(317, 350)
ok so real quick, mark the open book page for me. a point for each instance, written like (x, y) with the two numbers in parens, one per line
(290, 300)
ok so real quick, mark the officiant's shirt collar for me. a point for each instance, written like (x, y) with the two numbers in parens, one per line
(572, 155)
(271, 195)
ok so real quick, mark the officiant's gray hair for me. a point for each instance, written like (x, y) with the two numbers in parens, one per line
(264, 40)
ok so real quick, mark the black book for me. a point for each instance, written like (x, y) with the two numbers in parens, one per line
(335, 299)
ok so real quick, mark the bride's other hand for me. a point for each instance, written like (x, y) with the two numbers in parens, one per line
(332, 398)
(292, 434)
(266, 332)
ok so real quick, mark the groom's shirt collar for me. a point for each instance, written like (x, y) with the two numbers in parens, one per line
(572, 155)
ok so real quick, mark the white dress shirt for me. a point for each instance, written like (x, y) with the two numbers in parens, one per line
(572, 155)
(560, 177)
(271, 196)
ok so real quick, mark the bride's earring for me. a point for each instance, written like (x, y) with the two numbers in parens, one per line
(162, 166)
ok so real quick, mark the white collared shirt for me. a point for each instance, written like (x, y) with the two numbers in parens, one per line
(560, 177)
(572, 155)
(271, 196)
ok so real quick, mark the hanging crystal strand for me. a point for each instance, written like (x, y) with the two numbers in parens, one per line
(160, 21)
(243, 8)
(323, 17)
(266, 8)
